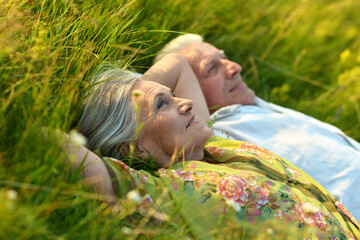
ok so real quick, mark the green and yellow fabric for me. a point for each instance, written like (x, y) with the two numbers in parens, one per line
(241, 184)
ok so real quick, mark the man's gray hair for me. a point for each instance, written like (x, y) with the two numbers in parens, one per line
(177, 44)
(109, 118)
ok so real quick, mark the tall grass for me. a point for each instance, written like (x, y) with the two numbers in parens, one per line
(293, 52)
(300, 54)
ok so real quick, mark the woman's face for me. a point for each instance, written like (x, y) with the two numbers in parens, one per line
(169, 126)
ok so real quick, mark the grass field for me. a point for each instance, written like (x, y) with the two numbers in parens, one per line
(300, 54)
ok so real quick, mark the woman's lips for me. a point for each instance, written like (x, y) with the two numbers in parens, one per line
(191, 122)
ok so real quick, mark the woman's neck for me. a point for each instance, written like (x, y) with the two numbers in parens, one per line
(192, 155)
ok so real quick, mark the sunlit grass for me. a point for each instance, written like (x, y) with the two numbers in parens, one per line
(300, 54)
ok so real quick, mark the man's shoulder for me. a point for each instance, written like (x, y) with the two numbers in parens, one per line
(265, 113)
(230, 110)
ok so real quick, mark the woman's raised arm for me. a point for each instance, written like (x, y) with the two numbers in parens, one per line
(174, 71)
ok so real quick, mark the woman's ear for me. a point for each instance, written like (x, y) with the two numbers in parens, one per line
(141, 152)
(125, 150)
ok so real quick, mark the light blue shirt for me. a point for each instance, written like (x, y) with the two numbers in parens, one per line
(320, 149)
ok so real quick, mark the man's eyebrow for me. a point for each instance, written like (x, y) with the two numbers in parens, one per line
(210, 60)
(207, 62)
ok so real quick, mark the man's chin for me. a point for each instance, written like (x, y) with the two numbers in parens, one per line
(248, 99)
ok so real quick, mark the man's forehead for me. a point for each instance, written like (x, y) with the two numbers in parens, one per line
(209, 57)
(204, 49)
(202, 53)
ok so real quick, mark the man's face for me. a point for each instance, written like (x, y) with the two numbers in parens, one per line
(218, 77)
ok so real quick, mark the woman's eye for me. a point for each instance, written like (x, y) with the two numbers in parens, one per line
(162, 103)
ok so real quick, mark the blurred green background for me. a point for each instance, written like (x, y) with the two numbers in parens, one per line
(299, 54)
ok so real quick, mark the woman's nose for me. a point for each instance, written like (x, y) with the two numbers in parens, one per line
(232, 68)
(184, 105)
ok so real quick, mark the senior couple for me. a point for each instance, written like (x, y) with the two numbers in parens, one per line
(164, 115)
(320, 149)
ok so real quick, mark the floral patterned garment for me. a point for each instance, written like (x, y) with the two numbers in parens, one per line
(246, 185)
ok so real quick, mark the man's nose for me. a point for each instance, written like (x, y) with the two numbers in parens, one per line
(232, 68)
(184, 105)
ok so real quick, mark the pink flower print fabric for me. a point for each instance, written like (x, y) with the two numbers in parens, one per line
(246, 185)
(233, 187)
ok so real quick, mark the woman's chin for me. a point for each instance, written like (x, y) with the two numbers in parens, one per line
(208, 133)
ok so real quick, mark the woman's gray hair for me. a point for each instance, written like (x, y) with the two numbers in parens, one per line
(109, 117)
(177, 44)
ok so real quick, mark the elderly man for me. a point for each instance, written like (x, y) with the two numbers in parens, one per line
(321, 150)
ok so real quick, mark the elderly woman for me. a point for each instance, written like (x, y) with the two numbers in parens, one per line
(228, 184)
(168, 123)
